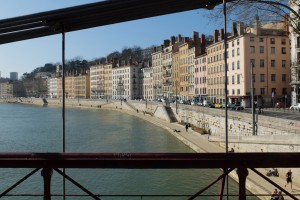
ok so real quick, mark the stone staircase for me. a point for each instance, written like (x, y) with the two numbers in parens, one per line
(171, 114)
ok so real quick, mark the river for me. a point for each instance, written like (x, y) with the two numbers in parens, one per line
(30, 128)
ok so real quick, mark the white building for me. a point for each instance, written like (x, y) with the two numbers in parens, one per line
(13, 76)
(125, 82)
(52, 87)
(6, 90)
(147, 83)
(97, 81)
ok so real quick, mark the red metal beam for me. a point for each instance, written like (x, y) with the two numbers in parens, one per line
(150, 160)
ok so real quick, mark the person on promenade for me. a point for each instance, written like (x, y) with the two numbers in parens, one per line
(289, 178)
(280, 197)
(274, 195)
(186, 127)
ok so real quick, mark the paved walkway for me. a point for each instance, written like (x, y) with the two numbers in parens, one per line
(200, 143)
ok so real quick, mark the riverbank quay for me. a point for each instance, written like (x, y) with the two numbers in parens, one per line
(199, 143)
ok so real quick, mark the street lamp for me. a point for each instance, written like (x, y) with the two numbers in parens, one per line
(120, 88)
(176, 103)
(252, 101)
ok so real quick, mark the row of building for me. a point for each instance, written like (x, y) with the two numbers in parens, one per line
(192, 68)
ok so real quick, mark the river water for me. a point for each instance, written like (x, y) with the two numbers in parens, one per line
(29, 128)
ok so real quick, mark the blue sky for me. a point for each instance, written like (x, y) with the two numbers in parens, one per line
(25, 56)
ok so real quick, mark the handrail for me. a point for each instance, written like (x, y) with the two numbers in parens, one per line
(150, 160)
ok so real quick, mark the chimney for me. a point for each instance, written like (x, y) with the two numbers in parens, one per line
(216, 35)
(173, 40)
(234, 29)
(154, 49)
(166, 43)
(195, 36)
(203, 44)
(186, 39)
(222, 34)
(256, 25)
(179, 38)
(241, 29)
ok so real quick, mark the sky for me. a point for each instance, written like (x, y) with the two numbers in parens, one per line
(25, 56)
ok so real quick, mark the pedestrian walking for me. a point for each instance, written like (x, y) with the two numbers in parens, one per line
(280, 197)
(289, 178)
(186, 127)
(274, 195)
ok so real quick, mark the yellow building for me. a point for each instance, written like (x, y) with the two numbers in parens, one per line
(108, 80)
(184, 70)
(75, 86)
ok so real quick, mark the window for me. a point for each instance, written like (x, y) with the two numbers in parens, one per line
(238, 51)
(284, 90)
(272, 63)
(252, 62)
(283, 63)
(262, 63)
(233, 53)
(238, 41)
(283, 50)
(232, 43)
(283, 41)
(233, 92)
(232, 78)
(238, 64)
(262, 78)
(251, 39)
(272, 41)
(272, 50)
(273, 77)
(232, 66)
(238, 91)
(261, 49)
(261, 39)
(273, 92)
(252, 49)
(262, 91)
(238, 79)
(283, 78)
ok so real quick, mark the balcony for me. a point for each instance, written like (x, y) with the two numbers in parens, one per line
(167, 83)
(167, 74)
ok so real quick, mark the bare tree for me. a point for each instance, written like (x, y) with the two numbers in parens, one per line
(267, 10)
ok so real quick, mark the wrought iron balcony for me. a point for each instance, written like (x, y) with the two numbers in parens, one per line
(167, 83)
(167, 74)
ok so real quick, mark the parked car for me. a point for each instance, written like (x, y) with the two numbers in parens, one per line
(279, 105)
(295, 107)
(218, 105)
(205, 102)
(200, 103)
(209, 105)
(235, 107)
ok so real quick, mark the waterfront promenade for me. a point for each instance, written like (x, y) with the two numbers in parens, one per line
(200, 143)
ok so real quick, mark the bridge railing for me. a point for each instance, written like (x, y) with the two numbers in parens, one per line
(48, 162)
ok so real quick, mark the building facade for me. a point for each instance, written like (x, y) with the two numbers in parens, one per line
(295, 55)
(6, 90)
